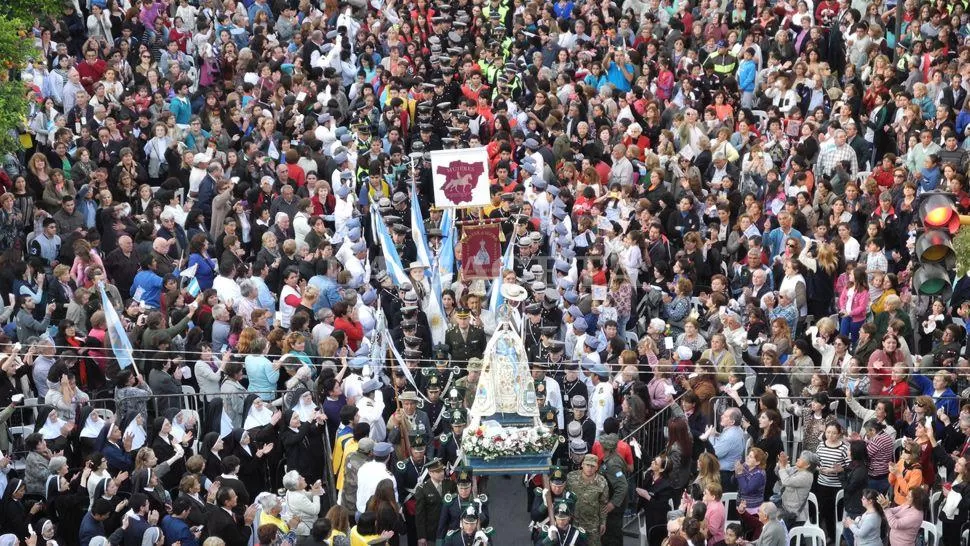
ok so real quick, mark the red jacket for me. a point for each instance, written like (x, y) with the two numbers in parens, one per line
(354, 331)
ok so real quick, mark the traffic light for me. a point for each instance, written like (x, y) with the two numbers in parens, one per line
(934, 249)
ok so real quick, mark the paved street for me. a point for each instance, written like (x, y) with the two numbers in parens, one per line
(509, 517)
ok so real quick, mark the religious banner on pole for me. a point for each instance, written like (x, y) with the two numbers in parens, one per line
(460, 177)
(481, 252)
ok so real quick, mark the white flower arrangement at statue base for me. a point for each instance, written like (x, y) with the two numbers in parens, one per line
(491, 441)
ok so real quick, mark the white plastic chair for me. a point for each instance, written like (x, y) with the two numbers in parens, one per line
(727, 499)
(813, 516)
(191, 400)
(761, 115)
(807, 535)
(931, 535)
(839, 508)
(632, 339)
(934, 503)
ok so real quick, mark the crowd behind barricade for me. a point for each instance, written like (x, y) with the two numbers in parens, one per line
(712, 212)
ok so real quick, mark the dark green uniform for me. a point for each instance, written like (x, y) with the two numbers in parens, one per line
(465, 345)
(429, 502)
(613, 470)
(454, 507)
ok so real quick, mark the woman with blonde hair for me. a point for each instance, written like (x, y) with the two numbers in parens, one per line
(38, 174)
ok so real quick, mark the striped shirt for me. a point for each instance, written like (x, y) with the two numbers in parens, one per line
(829, 457)
(880, 449)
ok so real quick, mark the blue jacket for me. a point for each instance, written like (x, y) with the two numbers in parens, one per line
(118, 460)
(776, 239)
(262, 376)
(181, 109)
(176, 530)
(151, 285)
(329, 292)
(746, 75)
(948, 401)
(206, 272)
(90, 528)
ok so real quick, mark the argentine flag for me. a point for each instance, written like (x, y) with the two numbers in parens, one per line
(120, 344)
(391, 258)
(495, 299)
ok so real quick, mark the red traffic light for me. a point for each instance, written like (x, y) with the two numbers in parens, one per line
(938, 211)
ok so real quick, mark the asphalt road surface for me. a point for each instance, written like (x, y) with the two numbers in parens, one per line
(509, 516)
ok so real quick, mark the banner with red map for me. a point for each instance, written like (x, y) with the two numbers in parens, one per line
(460, 177)
(481, 253)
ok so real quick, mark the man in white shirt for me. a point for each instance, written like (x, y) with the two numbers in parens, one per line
(372, 473)
(225, 285)
(601, 397)
(371, 409)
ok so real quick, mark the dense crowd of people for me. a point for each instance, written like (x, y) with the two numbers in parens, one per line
(712, 214)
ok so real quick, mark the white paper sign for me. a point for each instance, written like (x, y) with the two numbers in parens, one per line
(460, 177)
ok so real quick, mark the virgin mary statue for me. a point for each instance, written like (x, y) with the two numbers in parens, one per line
(505, 385)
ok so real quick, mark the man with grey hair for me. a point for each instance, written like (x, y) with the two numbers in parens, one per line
(272, 509)
(728, 445)
(773, 532)
(622, 170)
(830, 158)
(220, 326)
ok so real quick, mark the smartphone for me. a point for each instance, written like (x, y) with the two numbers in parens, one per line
(17, 347)
(929, 422)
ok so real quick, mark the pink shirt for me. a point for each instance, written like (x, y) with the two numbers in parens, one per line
(715, 516)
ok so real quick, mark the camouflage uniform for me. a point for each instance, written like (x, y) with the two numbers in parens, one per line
(591, 495)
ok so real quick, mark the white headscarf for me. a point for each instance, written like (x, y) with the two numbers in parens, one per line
(225, 425)
(52, 426)
(92, 426)
(305, 409)
(258, 417)
(138, 433)
(178, 430)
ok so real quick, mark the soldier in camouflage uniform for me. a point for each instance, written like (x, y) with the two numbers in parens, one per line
(469, 383)
(592, 493)
(614, 470)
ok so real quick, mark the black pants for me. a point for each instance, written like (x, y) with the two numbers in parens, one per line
(614, 529)
(826, 507)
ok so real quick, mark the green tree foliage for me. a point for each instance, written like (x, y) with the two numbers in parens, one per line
(17, 17)
(961, 246)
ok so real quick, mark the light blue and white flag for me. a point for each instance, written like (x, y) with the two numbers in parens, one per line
(433, 307)
(391, 258)
(120, 344)
(417, 229)
(446, 258)
(495, 299)
(193, 287)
